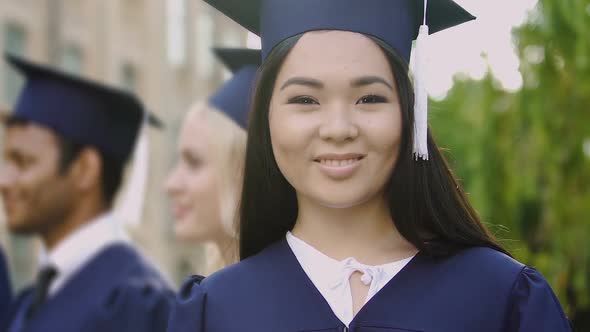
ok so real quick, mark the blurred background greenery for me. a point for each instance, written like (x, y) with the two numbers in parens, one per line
(526, 160)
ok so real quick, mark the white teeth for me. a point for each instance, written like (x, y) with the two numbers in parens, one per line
(337, 163)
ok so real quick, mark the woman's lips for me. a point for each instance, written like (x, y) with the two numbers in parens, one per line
(339, 166)
(180, 212)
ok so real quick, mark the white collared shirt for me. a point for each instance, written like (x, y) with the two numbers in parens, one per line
(80, 247)
(332, 277)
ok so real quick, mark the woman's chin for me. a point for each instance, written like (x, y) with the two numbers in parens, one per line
(343, 202)
(338, 196)
(185, 231)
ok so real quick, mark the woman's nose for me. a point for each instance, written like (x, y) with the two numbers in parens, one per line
(338, 125)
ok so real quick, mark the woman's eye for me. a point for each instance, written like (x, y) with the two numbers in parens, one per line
(372, 99)
(192, 162)
(304, 100)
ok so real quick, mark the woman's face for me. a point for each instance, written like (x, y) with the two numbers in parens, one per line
(335, 119)
(194, 183)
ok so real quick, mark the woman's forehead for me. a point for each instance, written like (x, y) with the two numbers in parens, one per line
(195, 133)
(319, 53)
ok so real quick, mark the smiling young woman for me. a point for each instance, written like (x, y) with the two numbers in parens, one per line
(342, 227)
(205, 183)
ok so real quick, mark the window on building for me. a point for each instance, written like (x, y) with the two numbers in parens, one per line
(176, 32)
(205, 34)
(72, 59)
(14, 43)
(129, 77)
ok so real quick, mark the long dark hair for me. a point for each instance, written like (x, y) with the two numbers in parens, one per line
(426, 202)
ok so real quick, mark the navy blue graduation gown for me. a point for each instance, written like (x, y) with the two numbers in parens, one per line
(477, 289)
(116, 291)
(5, 293)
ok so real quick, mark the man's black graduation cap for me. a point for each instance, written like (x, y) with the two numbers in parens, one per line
(235, 96)
(84, 111)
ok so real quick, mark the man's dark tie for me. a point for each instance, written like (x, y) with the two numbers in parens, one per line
(44, 279)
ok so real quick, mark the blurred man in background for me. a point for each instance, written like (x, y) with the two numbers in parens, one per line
(65, 148)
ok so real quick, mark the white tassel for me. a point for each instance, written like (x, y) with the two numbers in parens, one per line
(130, 205)
(421, 94)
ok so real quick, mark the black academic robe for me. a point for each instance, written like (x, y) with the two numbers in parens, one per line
(477, 289)
(116, 291)
(5, 292)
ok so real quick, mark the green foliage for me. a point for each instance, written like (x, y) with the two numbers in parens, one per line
(524, 157)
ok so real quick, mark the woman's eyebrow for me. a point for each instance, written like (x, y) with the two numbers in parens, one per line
(368, 80)
(310, 82)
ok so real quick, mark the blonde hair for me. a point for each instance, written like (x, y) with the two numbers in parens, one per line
(229, 150)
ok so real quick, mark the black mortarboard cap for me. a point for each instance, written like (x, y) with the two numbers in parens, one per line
(235, 96)
(81, 110)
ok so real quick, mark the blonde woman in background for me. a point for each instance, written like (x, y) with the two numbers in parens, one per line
(206, 181)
